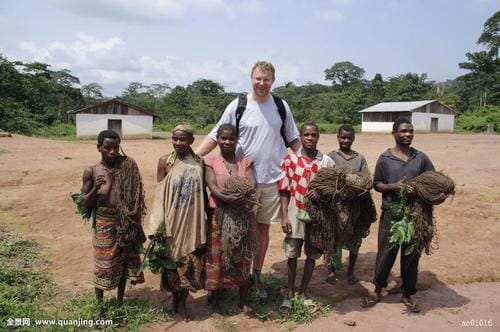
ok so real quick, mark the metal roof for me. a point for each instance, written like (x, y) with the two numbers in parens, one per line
(107, 101)
(399, 106)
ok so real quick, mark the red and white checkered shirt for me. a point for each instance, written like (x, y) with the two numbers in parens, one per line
(297, 171)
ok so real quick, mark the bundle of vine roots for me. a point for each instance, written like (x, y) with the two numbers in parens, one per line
(431, 188)
(343, 210)
(130, 204)
(237, 226)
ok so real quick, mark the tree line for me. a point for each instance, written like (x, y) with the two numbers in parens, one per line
(33, 96)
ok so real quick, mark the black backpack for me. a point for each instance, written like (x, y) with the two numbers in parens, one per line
(242, 105)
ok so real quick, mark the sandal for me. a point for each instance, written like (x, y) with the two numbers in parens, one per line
(311, 306)
(285, 306)
(370, 301)
(411, 305)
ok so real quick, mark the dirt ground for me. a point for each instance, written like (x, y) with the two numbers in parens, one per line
(458, 282)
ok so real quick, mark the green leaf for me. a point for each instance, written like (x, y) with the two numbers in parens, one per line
(409, 249)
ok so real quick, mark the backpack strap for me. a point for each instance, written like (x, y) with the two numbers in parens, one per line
(282, 112)
(242, 105)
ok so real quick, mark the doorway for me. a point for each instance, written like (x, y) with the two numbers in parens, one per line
(116, 126)
(434, 125)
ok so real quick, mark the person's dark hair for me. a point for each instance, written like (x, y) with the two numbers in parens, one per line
(107, 134)
(399, 122)
(347, 128)
(226, 126)
(308, 124)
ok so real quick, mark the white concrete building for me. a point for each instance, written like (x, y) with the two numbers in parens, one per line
(130, 122)
(425, 115)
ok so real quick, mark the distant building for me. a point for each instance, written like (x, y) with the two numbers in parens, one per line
(425, 115)
(127, 120)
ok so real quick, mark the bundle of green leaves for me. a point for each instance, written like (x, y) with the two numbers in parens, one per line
(402, 227)
(87, 214)
(157, 258)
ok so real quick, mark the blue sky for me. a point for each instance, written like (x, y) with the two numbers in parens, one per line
(114, 42)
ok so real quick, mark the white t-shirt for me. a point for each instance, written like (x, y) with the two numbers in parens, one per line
(259, 137)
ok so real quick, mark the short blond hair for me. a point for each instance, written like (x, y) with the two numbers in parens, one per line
(265, 66)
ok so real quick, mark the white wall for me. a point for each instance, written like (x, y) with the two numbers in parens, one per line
(422, 121)
(133, 126)
(376, 127)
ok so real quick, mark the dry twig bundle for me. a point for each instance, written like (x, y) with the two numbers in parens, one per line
(237, 224)
(337, 214)
(130, 203)
(431, 188)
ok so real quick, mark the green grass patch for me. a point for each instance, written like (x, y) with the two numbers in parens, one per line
(58, 131)
(3, 151)
(131, 316)
(269, 310)
(27, 291)
(24, 281)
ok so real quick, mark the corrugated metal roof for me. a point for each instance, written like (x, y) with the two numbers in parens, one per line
(399, 106)
(107, 101)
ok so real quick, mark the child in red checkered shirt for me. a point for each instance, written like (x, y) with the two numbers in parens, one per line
(297, 171)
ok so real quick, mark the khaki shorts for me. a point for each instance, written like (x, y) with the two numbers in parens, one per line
(269, 198)
(293, 249)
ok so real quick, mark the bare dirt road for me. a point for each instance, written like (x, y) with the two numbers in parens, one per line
(459, 282)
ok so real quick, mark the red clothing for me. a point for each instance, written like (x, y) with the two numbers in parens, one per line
(217, 274)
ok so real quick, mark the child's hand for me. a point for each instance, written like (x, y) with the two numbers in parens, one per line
(286, 226)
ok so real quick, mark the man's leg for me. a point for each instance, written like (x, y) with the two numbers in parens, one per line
(386, 255)
(384, 262)
(409, 274)
(258, 260)
(269, 211)
(262, 245)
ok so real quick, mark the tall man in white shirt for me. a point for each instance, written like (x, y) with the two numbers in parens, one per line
(261, 139)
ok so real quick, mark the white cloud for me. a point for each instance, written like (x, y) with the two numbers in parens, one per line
(83, 52)
(112, 64)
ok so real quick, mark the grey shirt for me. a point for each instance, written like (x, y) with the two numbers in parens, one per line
(391, 169)
(357, 162)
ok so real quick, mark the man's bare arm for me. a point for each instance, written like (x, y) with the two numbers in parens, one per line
(205, 147)
(295, 145)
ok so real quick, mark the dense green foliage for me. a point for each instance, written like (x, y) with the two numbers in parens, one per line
(478, 119)
(34, 98)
